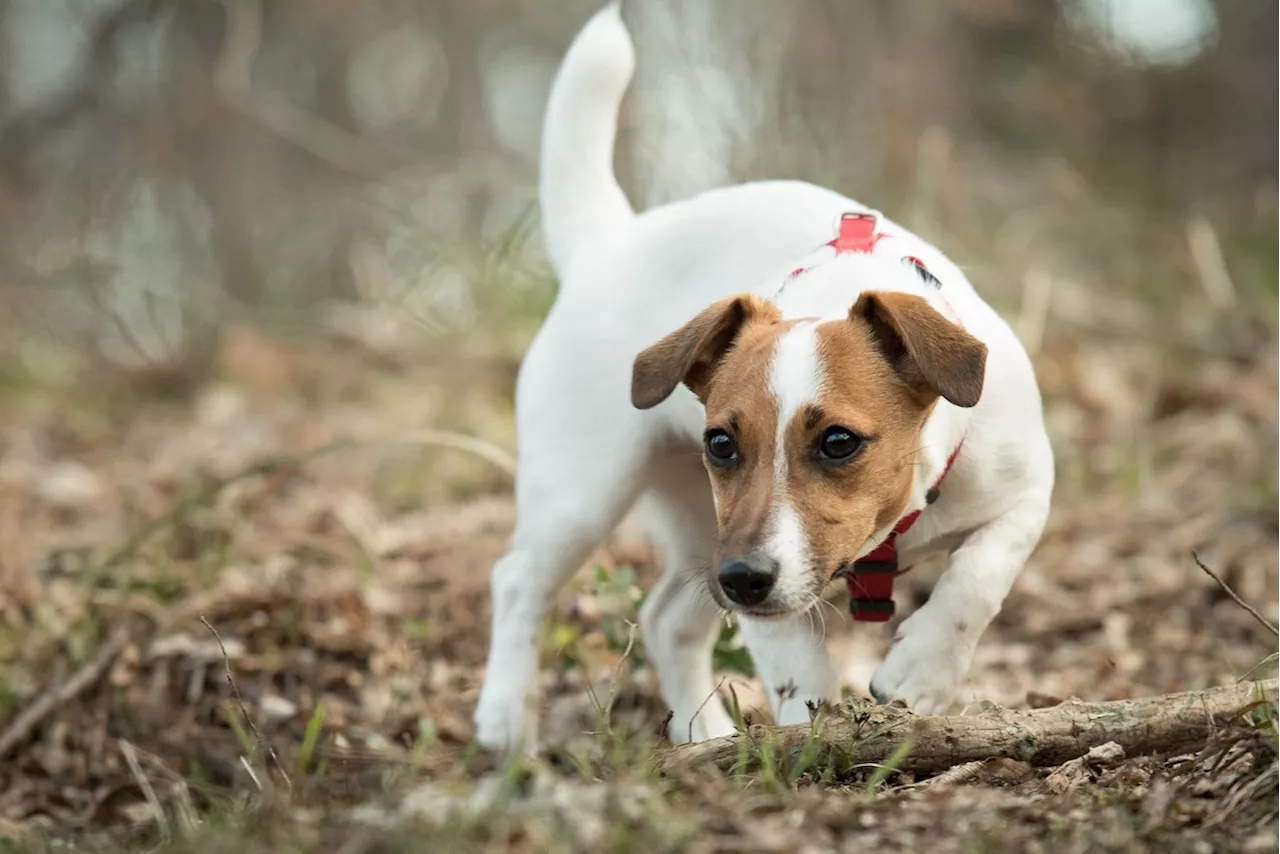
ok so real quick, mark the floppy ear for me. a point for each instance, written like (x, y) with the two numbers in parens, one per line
(689, 355)
(932, 354)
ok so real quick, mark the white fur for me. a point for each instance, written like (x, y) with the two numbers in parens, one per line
(795, 381)
(586, 455)
(786, 543)
(578, 192)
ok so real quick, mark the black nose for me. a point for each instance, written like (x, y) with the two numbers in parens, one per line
(746, 582)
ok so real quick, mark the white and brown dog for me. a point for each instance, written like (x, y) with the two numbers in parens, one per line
(820, 376)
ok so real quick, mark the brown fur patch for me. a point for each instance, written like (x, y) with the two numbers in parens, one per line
(932, 354)
(691, 354)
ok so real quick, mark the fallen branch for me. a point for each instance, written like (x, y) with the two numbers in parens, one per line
(1042, 737)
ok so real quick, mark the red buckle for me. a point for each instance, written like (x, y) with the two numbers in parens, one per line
(870, 583)
(857, 233)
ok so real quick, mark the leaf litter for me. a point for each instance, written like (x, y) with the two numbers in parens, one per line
(353, 624)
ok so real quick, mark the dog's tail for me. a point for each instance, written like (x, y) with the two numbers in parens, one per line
(579, 193)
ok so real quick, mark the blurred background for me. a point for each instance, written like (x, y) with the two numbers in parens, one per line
(233, 230)
(172, 167)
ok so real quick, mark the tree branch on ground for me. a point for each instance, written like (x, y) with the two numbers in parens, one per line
(1042, 737)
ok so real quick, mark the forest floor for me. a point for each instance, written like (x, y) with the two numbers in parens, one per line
(152, 548)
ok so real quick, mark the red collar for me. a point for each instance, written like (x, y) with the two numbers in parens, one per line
(870, 579)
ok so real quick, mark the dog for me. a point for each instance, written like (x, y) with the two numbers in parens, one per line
(797, 388)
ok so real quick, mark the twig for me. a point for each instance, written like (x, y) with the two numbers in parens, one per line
(617, 673)
(178, 790)
(157, 811)
(53, 698)
(1270, 659)
(715, 691)
(1211, 267)
(952, 776)
(253, 775)
(1243, 604)
(459, 441)
(263, 746)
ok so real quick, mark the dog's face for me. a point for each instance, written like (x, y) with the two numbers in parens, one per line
(812, 431)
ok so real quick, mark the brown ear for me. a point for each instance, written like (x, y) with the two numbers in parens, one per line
(932, 354)
(690, 354)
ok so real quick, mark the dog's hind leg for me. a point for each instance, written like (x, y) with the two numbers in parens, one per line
(679, 618)
(568, 498)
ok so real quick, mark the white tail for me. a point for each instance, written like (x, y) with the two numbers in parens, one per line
(578, 191)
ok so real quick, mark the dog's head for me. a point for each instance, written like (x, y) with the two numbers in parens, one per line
(812, 430)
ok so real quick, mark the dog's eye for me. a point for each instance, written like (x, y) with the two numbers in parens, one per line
(721, 449)
(838, 443)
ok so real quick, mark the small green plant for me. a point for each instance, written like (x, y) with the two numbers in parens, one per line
(739, 724)
(730, 653)
(310, 738)
(617, 596)
(232, 716)
(809, 752)
(417, 629)
(620, 597)
(890, 766)
(428, 733)
(1264, 717)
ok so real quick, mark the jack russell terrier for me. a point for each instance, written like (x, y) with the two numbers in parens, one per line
(799, 389)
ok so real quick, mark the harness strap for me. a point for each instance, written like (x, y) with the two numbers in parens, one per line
(870, 579)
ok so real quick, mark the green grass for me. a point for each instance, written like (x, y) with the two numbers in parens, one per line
(315, 726)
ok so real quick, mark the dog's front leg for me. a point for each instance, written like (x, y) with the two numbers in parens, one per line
(933, 648)
(792, 661)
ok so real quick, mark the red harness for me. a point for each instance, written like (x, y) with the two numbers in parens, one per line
(870, 579)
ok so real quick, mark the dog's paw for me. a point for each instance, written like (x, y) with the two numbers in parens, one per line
(503, 724)
(924, 668)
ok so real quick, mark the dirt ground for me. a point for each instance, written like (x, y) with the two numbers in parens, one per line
(150, 548)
